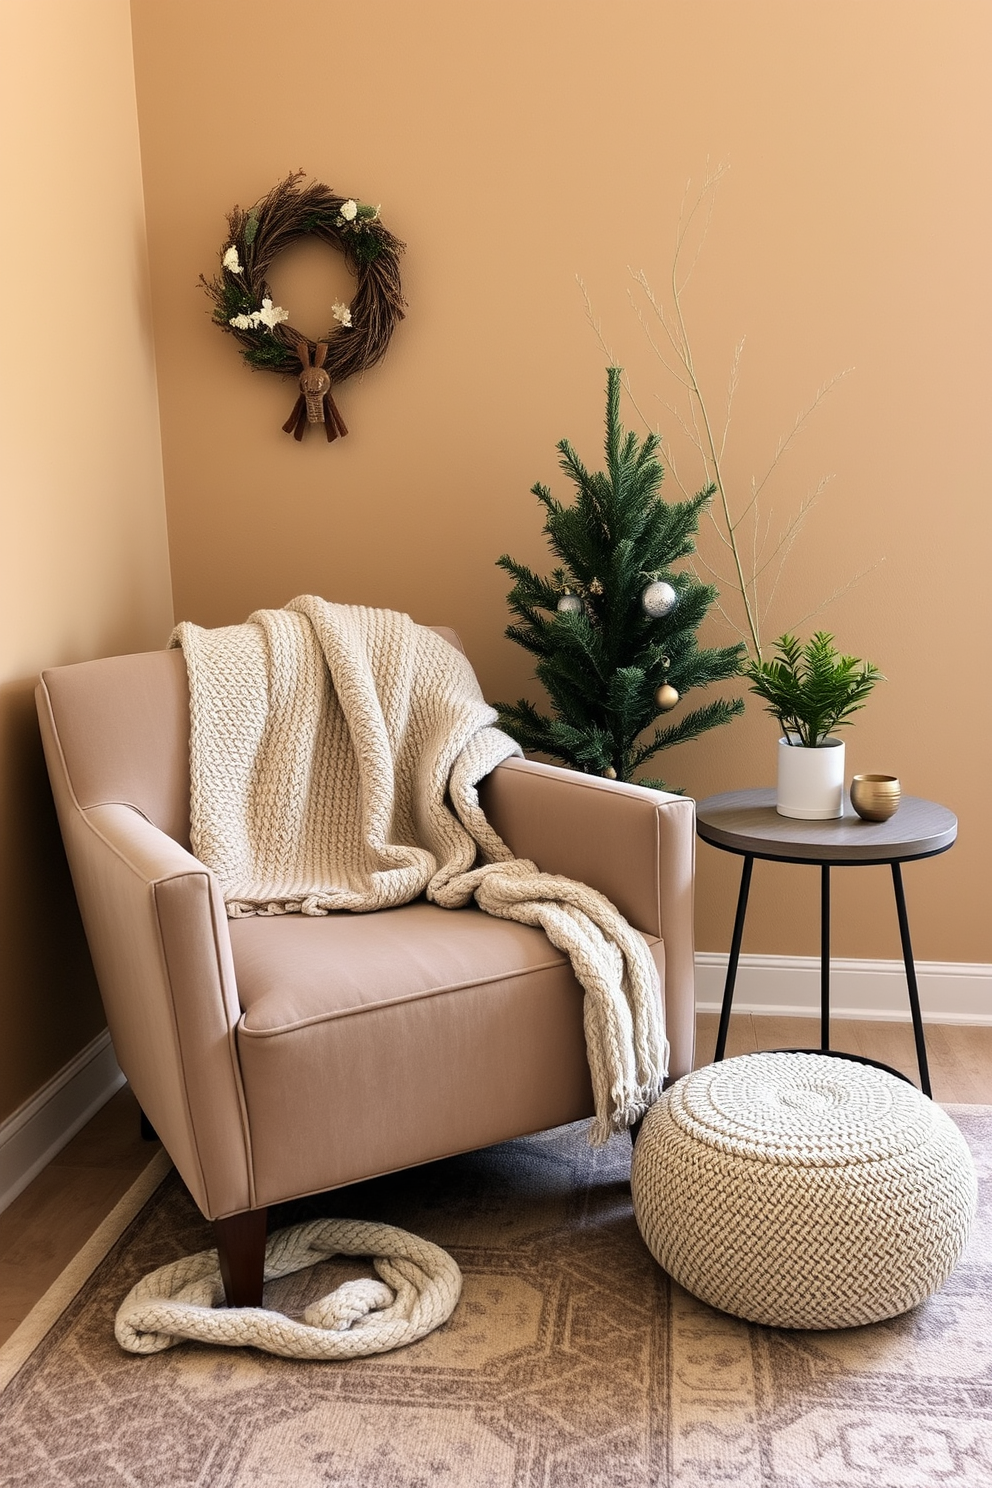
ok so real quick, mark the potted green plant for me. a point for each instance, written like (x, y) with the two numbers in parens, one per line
(812, 690)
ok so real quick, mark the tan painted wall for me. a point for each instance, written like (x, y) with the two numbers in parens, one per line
(83, 557)
(515, 145)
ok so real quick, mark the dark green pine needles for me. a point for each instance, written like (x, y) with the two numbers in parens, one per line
(603, 662)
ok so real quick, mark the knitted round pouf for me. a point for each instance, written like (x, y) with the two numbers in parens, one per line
(803, 1191)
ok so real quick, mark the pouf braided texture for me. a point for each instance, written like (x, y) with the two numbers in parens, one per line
(803, 1191)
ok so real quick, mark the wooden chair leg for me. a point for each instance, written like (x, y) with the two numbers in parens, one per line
(240, 1243)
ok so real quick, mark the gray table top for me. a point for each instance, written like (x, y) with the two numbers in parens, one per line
(746, 822)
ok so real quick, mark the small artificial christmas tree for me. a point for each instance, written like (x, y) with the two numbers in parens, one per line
(614, 628)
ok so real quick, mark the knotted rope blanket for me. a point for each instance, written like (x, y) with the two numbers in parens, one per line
(335, 754)
(419, 1289)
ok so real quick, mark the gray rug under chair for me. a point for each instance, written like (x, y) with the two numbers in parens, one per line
(571, 1359)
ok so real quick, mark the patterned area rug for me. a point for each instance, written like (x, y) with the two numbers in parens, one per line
(571, 1360)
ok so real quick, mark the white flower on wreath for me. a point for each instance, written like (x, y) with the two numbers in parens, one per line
(231, 260)
(271, 315)
(342, 314)
(349, 210)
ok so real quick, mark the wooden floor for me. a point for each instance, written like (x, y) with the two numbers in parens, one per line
(960, 1058)
(48, 1223)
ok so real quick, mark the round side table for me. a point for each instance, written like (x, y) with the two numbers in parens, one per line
(746, 823)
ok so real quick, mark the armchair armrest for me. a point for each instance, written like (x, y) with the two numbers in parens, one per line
(636, 846)
(157, 932)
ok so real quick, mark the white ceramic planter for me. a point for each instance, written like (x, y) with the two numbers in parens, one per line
(811, 781)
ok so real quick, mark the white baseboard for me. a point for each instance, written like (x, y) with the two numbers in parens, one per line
(789, 986)
(33, 1135)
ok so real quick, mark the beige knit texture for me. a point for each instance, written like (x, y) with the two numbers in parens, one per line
(419, 1289)
(803, 1191)
(335, 754)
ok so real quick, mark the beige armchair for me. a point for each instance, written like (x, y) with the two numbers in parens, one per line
(282, 1056)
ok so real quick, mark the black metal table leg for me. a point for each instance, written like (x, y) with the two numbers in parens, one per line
(735, 953)
(825, 956)
(914, 995)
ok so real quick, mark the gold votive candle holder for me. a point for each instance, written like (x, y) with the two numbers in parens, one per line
(875, 797)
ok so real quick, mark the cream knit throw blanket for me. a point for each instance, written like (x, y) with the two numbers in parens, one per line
(335, 753)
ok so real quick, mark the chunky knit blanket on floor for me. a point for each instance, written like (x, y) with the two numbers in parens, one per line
(335, 753)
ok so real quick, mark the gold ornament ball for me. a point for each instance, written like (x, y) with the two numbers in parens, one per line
(666, 697)
(610, 773)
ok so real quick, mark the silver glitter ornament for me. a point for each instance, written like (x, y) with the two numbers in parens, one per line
(570, 604)
(659, 599)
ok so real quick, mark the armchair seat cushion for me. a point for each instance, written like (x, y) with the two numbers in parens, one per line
(451, 1017)
(294, 970)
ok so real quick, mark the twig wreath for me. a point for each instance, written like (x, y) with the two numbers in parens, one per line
(243, 304)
